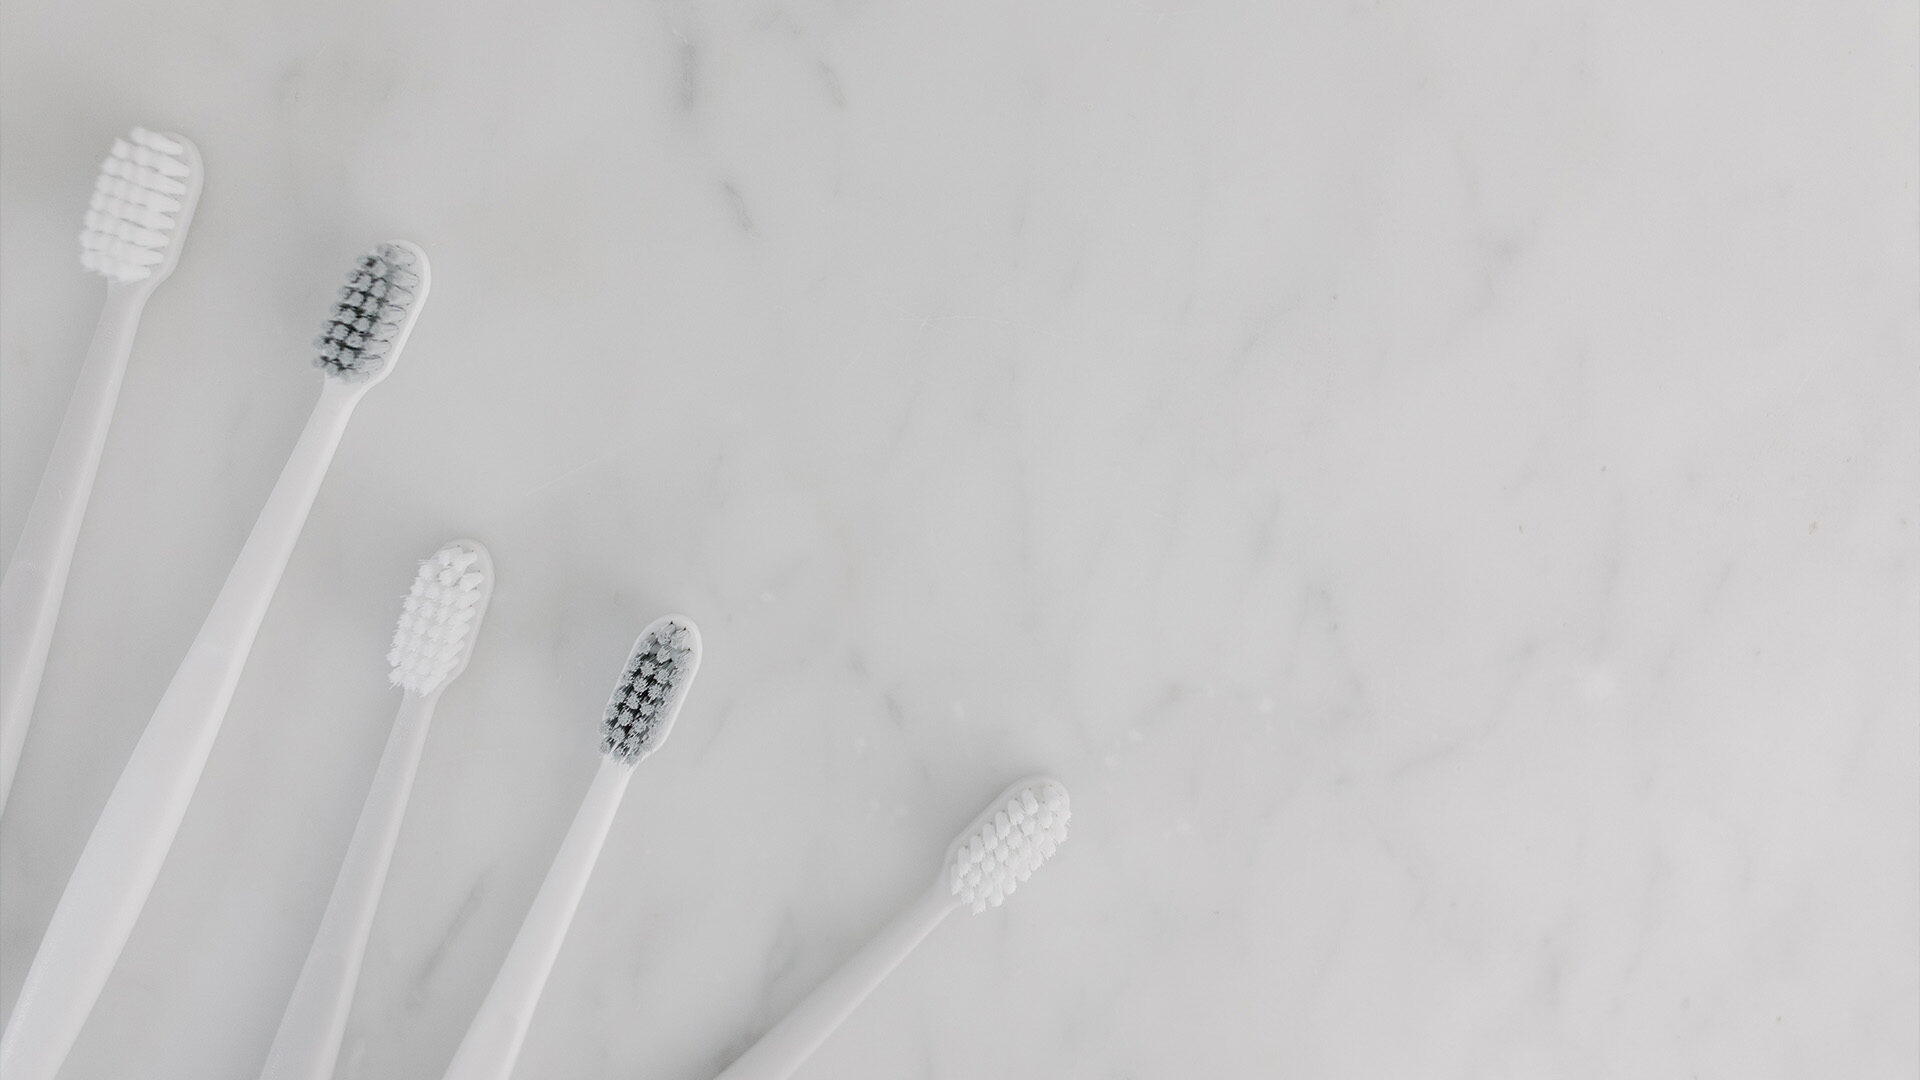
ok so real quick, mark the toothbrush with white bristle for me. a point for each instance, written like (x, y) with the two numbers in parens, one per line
(431, 647)
(1003, 846)
(132, 233)
(638, 719)
(359, 346)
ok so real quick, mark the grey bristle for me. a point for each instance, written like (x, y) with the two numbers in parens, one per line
(650, 690)
(372, 307)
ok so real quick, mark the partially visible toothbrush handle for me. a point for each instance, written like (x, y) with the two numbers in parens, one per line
(308, 1042)
(129, 843)
(492, 1044)
(794, 1039)
(37, 574)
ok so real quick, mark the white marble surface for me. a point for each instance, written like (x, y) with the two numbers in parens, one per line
(1439, 482)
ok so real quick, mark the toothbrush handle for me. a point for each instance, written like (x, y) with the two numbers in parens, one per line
(308, 1041)
(784, 1048)
(117, 868)
(37, 575)
(492, 1044)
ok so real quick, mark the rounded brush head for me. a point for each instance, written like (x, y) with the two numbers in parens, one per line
(1008, 842)
(440, 617)
(141, 206)
(652, 686)
(375, 312)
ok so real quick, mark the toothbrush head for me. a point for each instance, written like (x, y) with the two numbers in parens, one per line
(141, 206)
(652, 686)
(376, 311)
(440, 617)
(1008, 842)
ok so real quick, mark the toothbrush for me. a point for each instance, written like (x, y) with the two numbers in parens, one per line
(431, 647)
(131, 235)
(638, 718)
(1003, 846)
(358, 347)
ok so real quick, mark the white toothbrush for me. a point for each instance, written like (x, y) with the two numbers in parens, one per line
(638, 719)
(1005, 844)
(132, 234)
(358, 347)
(431, 647)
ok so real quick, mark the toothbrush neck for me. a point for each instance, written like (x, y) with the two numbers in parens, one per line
(133, 294)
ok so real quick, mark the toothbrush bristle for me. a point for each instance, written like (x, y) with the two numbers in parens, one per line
(1008, 843)
(438, 619)
(372, 310)
(654, 683)
(137, 203)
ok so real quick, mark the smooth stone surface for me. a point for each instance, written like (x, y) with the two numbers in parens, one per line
(1438, 482)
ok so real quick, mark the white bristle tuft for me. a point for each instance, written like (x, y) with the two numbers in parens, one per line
(652, 686)
(1008, 842)
(139, 208)
(374, 312)
(440, 617)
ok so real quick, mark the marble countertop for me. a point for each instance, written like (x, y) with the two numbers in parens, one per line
(1439, 483)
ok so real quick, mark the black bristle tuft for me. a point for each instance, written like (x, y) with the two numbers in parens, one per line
(650, 689)
(372, 307)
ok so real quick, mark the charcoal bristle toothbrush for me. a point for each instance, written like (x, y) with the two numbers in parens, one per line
(431, 646)
(131, 235)
(638, 719)
(358, 347)
(1008, 841)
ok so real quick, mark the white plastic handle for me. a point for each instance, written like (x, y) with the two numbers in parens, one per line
(794, 1039)
(492, 1045)
(308, 1042)
(129, 843)
(37, 575)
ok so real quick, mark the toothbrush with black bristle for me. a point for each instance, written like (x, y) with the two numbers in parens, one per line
(358, 347)
(638, 719)
(431, 647)
(131, 235)
(1010, 839)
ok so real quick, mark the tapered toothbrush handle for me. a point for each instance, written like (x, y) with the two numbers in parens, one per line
(308, 1041)
(37, 574)
(117, 868)
(492, 1044)
(794, 1039)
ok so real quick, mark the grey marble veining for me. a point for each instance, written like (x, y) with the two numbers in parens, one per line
(1437, 482)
